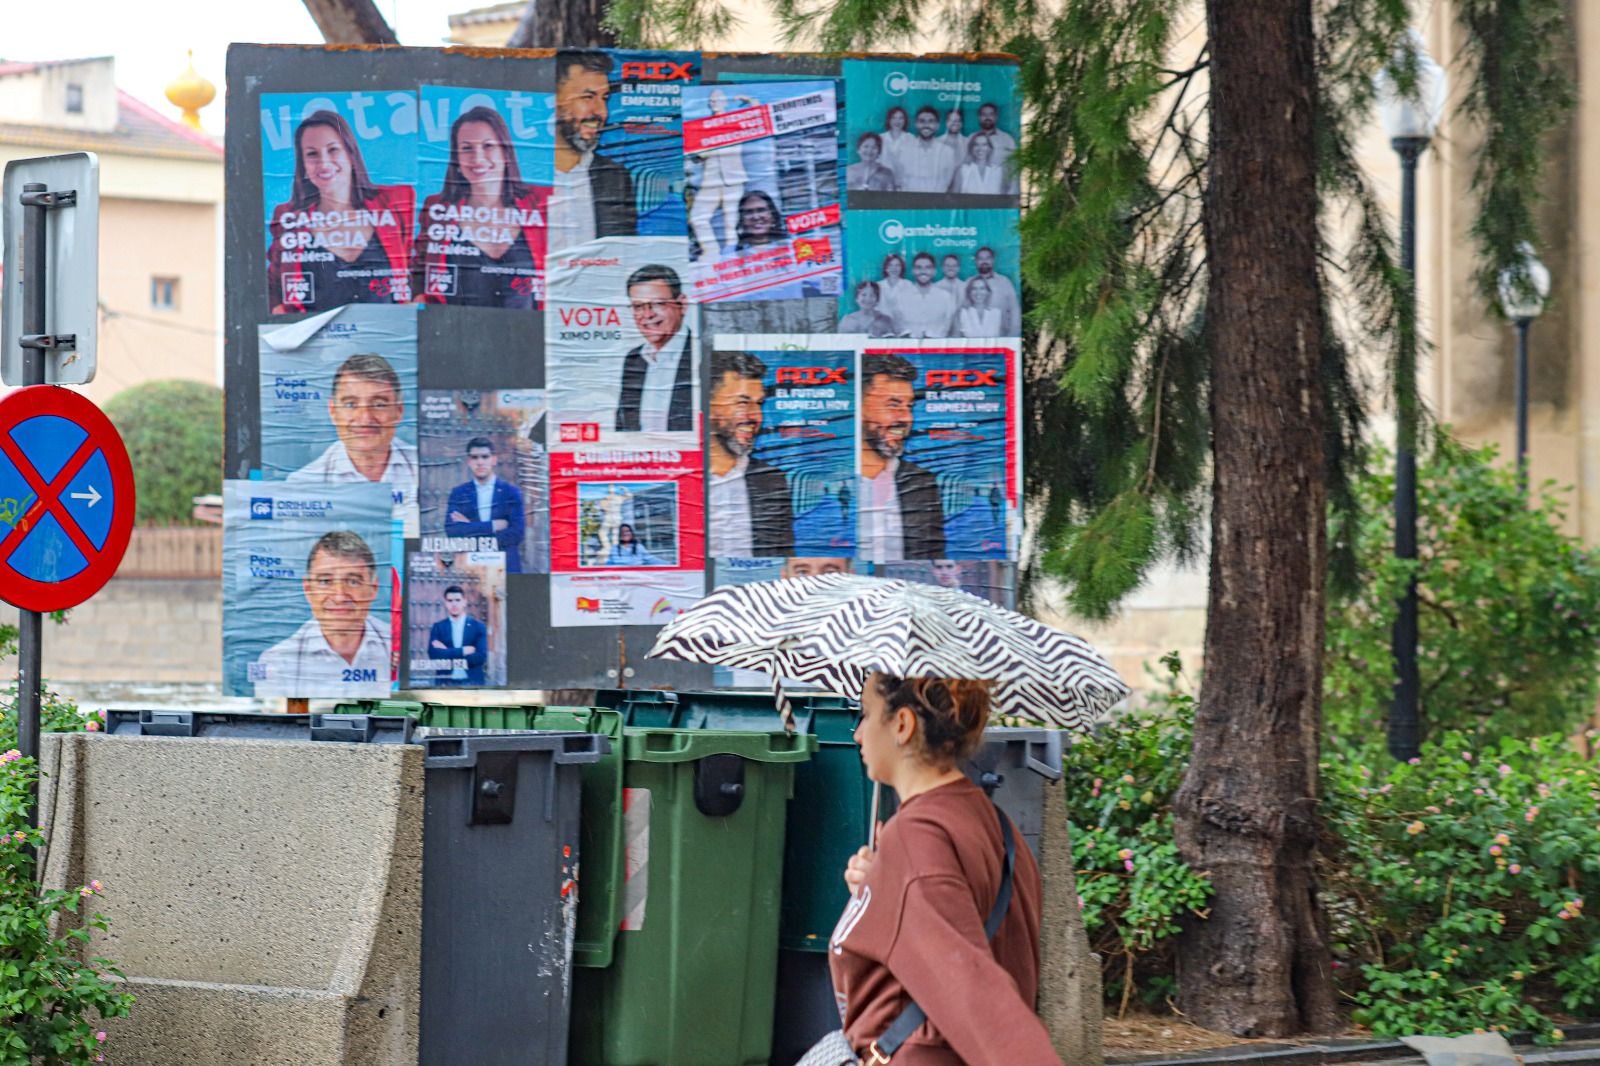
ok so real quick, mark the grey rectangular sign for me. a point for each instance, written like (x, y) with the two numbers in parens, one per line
(72, 273)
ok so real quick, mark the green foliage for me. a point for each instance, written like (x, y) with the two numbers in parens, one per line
(173, 430)
(1134, 887)
(56, 714)
(1509, 639)
(1459, 885)
(1518, 90)
(51, 998)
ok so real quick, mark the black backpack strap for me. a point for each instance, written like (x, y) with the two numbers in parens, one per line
(900, 1030)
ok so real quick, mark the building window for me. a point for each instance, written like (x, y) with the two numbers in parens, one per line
(74, 99)
(164, 294)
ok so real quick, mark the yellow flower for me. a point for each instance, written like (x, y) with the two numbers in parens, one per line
(1502, 839)
(1415, 827)
(1516, 975)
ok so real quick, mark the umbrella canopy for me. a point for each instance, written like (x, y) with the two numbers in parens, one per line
(836, 629)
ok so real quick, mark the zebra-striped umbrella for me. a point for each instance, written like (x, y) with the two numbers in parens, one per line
(835, 629)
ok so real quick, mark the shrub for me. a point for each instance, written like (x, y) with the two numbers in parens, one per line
(173, 430)
(1460, 885)
(51, 998)
(1509, 607)
(1134, 887)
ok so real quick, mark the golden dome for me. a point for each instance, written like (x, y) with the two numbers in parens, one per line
(190, 92)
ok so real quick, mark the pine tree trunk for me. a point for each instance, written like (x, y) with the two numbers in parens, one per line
(350, 22)
(1246, 813)
(562, 24)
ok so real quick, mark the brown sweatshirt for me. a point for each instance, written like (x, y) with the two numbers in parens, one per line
(916, 932)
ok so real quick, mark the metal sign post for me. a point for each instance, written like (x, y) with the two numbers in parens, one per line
(31, 355)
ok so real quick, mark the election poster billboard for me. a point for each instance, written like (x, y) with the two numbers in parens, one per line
(485, 475)
(338, 184)
(939, 458)
(927, 273)
(338, 400)
(762, 171)
(781, 446)
(930, 129)
(309, 581)
(619, 144)
(750, 571)
(622, 347)
(609, 327)
(456, 617)
(486, 160)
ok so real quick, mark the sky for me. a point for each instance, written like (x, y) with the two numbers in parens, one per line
(149, 40)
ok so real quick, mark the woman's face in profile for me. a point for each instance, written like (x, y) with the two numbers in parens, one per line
(479, 153)
(327, 163)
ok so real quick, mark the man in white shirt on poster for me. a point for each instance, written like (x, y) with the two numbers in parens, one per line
(1005, 145)
(926, 309)
(593, 194)
(927, 164)
(366, 407)
(340, 651)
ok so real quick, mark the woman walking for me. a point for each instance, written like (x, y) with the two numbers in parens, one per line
(914, 928)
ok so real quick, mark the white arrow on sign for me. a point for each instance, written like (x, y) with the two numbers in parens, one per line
(93, 495)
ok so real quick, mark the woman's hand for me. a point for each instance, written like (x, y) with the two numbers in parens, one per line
(855, 871)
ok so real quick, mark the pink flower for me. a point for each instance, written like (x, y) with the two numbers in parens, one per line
(91, 726)
(1565, 914)
(1081, 903)
(1533, 812)
(1127, 864)
(1494, 849)
(1516, 868)
(1125, 854)
(1415, 760)
(1505, 770)
(1467, 755)
(1502, 838)
(1415, 827)
(96, 885)
(11, 756)
(85, 891)
(101, 1036)
(1477, 792)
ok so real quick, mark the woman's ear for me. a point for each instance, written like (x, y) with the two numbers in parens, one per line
(905, 725)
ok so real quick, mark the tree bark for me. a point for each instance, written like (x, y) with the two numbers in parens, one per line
(1247, 811)
(562, 24)
(350, 22)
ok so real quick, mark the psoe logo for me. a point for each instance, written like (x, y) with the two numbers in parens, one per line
(895, 83)
(891, 231)
(260, 507)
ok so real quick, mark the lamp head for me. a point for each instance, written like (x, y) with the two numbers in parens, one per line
(1411, 91)
(1524, 286)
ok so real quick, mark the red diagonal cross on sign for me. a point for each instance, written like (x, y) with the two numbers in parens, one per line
(29, 581)
(48, 496)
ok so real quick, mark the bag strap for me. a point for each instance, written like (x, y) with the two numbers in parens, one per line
(900, 1030)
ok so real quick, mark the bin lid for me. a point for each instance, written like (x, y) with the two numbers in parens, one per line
(644, 744)
(460, 747)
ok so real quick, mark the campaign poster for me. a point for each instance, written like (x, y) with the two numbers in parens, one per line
(619, 144)
(309, 590)
(484, 168)
(622, 350)
(781, 447)
(338, 184)
(761, 165)
(984, 578)
(930, 128)
(932, 274)
(339, 401)
(940, 459)
(627, 541)
(485, 483)
(456, 619)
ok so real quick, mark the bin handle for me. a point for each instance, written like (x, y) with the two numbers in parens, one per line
(1046, 767)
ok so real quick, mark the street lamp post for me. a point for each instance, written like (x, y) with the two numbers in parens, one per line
(1524, 286)
(1411, 94)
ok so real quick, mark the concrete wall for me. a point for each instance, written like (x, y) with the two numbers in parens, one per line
(264, 897)
(136, 630)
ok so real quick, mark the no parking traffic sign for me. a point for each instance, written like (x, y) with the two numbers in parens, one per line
(66, 498)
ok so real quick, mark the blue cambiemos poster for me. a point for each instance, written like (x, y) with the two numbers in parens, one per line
(309, 590)
(781, 447)
(932, 274)
(762, 168)
(939, 459)
(930, 128)
(338, 178)
(619, 145)
(483, 172)
(339, 400)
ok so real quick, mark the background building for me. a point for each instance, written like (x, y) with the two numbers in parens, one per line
(160, 216)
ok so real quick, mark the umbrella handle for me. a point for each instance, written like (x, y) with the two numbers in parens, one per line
(872, 826)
